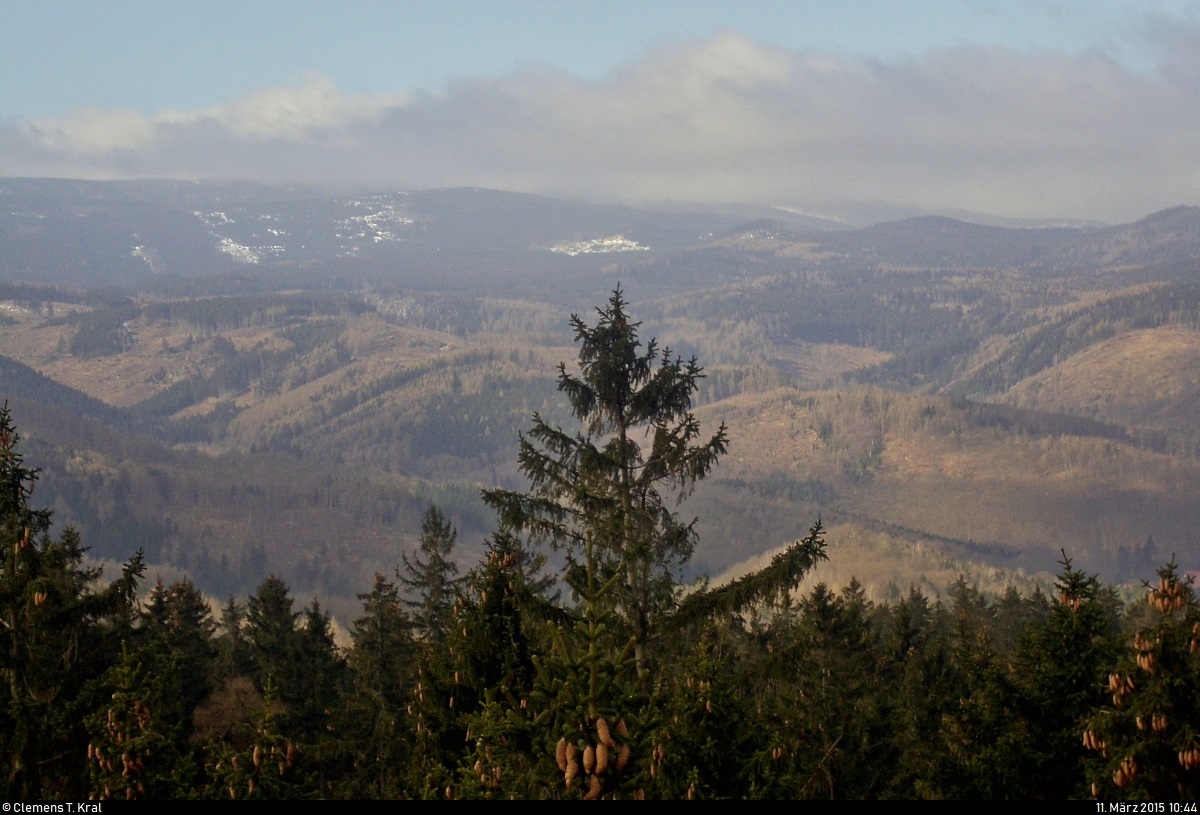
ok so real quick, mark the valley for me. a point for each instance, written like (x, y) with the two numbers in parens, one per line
(949, 398)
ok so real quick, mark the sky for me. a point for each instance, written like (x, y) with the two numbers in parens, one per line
(1061, 109)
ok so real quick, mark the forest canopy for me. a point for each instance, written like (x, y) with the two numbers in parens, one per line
(605, 678)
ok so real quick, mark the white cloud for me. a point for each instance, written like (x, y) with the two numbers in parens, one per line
(296, 113)
(306, 111)
(91, 132)
(724, 119)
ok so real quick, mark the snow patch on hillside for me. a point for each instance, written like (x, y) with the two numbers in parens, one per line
(240, 253)
(613, 243)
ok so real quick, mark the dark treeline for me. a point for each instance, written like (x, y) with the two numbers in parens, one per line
(41, 297)
(464, 687)
(213, 314)
(605, 678)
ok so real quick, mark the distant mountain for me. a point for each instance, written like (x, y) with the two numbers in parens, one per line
(125, 233)
(505, 220)
(100, 235)
(983, 219)
(1169, 236)
(939, 242)
(119, 233)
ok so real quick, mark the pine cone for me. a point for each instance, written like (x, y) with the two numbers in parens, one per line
(602, 731)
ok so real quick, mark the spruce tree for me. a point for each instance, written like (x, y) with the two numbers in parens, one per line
(505, 604)
(176, 642)
(271, 635)
(925, 689)
(981, 741)
(233, 651)
(57, 634)
(134, 749)
(1145, 742)
(382, 669)
(321, 678)
(259, 764)
(576, 733)
(432, 576)
(638, 454)
(435, 735)
(1060, 668)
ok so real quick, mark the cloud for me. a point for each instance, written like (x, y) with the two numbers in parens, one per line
(720, 120)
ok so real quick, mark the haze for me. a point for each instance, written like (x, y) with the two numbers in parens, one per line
(1066, 110)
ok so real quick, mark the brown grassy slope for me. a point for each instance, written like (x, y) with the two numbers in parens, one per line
(1018, 501)
(914, 466)
(161, 355)
(887, 564)
(378, 349)
(816, 365)
(1148, 378)
(454, 416)
(165, 352)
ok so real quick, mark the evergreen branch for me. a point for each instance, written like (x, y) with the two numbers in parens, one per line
(783, 575)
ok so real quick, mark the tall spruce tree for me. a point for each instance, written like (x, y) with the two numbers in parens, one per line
(638, 455)
(433, 576)
(134, 752)
(575, 734)
(1060, 667)
(57, 633)
(382, 669)
(505, 601)
(321, 678)
(233, 651)
(1145, 745)
(271, 634)
(176, 643)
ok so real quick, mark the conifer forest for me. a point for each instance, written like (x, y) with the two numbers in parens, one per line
(578, 657)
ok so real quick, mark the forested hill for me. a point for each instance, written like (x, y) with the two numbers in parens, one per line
(241, 406)
(489, 684)
(24, 383)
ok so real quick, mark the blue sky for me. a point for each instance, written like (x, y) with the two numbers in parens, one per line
(1009, 107)
(152, 55)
